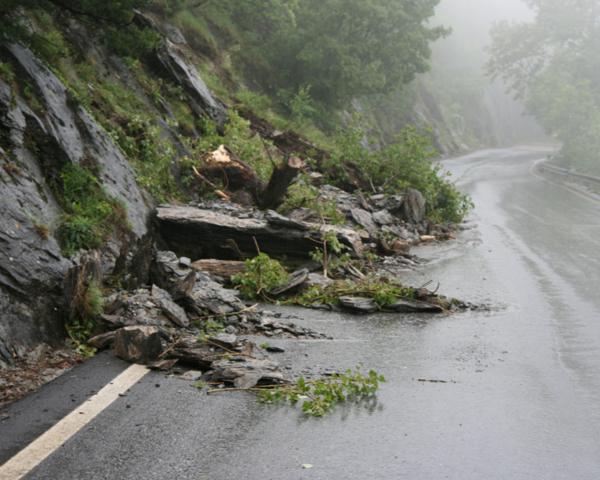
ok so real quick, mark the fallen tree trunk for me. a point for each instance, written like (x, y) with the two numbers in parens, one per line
(237, 176)
(225, 166)
(221, 268)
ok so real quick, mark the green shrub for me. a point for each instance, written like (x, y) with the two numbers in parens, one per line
(151, 155)
(384, 293)
(262, 274)
(83, 321)
(90, 214)
(7, 73)
(255, 102)
(407, 163)
(302, 194)
(132, 41)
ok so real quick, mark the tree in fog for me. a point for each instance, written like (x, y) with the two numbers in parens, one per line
(553, 64)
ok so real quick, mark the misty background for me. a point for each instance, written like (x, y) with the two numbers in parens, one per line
(479, 110)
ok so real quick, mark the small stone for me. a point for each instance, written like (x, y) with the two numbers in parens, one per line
(171, 310)
(359, 304)
(364, 219)
(383, 217)
(227, 341)
(185, 262)
(191, 375)
(272, 349)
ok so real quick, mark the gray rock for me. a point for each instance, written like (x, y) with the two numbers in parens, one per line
(383, 217)
(139, 344)
(224, 340)
(173, 311)
(244, 372)
(208, 295)
(277, 219)
(408, 306)
(169, 274)
(379, 200)
(185, 262)
(183, 72)
(297, 280)
(364, 219)
(358, 304)
(174, 34)
(394, 203)
(78, 137)
(191, 352)
(316, 279)
(202, 232)
(414, 206)
(144, 307)
(38, 145)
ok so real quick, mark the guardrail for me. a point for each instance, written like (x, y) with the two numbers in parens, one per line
(567, 172)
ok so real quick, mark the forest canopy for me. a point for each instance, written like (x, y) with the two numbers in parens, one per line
(337, 49)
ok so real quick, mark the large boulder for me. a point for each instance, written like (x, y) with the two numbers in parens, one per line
(227, 231)
(414, 206)
(139, 344)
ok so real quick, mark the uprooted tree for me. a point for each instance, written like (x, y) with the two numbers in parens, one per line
(237, 177)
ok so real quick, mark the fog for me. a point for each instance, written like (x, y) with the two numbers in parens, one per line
(459, 61)
(471, 22)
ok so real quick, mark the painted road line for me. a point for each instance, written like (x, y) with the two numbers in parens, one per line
(47, 443)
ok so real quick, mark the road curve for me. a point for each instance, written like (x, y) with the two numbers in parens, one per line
(523, 394)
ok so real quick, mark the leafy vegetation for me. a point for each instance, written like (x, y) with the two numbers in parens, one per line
(319, 397)
(406, 163)
(262, 274)
(90, 214)
(382, 291)
(331, 254)
(292, 47)
(82, 322)
(553, 65)
(304, 195)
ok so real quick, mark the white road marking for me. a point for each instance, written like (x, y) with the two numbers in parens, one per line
(47, 443)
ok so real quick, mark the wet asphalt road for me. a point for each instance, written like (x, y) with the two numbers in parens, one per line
(523, 394)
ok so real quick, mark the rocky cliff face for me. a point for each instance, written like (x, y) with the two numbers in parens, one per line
(35, 146)
(41, 133)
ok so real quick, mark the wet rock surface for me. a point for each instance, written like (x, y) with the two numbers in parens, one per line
(228, 231)
(184, 73)
(34, 147)
(139, 344)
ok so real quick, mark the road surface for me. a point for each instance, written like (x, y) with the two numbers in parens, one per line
(523, 394)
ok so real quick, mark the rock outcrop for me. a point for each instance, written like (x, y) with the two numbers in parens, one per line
(34, 147)
(223, 230)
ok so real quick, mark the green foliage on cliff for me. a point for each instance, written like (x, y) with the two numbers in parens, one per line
(90, 214)
(553, 64)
